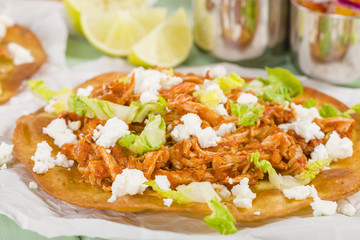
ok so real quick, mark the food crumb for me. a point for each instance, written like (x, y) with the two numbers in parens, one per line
(167, 202)
(257, 213)
(33, 185)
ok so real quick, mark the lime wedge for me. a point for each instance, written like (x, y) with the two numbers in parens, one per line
(75, 8)
(204, 26)
(167, 45)
(115, 32)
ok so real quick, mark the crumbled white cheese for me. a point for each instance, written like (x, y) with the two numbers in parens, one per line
(339, 147)
(19, 54)
(130, 181)
(6, 153)
(257, 213)
(231, 181)
(305, 114)
(243, 194)
(85, 91)
(149, 96)
(222, 190)
(217, 71)
(303, 126)
(247, 99)
(60, 132)
(207, 138)
(216, 87)
(5, 22)
(61, 160)
(306, 130)
(167, 202)
(298, 192)
(49, 106)
(44, 161)
(192, 127)
(226, 128)
(152, 79)
(163, 182)
(4, 166)
(346, 208)
(42, 158)
(320, 153)
(74, 126)
(220, 109)
(168, 82)
(108, 134)
(322, 207)
(33, 185)
(197, 88)
(108, 151)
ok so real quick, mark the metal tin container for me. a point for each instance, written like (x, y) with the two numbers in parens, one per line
(241, 30)
(325, 46)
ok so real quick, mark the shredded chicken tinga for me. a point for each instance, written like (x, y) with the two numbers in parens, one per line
(89, 182)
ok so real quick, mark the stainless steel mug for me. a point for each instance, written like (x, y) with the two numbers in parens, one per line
(241, 30)
(325, 46)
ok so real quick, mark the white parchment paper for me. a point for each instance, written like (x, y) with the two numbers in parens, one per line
(37, 211)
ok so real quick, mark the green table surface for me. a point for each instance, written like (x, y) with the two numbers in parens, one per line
(79, 51)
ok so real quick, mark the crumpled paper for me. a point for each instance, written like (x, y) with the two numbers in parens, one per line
(37, 211)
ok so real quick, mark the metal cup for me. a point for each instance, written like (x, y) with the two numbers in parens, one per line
(325, 46)
(241, 30)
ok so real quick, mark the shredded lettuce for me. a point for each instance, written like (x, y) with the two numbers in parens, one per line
(264, 165)
(247, 116)
(38, 88)
(313, 169)
(310, 103)
(210, 99)
(278, 181)
(151, 138)
(221, 218)
(124, 79)
(92, 107)
(355, 109)
(199, 191)
(327, 111)
(292, 84)
(149, 108)
(176, 195)
(230, 82)
(280, 86)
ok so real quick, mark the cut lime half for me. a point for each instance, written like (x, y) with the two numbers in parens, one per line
(167, 45)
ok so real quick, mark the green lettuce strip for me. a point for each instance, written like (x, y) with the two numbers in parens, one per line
(39, 88)
(177, 196)
(144, 110)
(310, 103)
(93, 107)
(246, 115)
(151, 138)
(280, 86)
(228, 83)
(221, 219)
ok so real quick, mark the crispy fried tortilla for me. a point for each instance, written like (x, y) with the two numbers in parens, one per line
(12, 75)
(342, 180)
